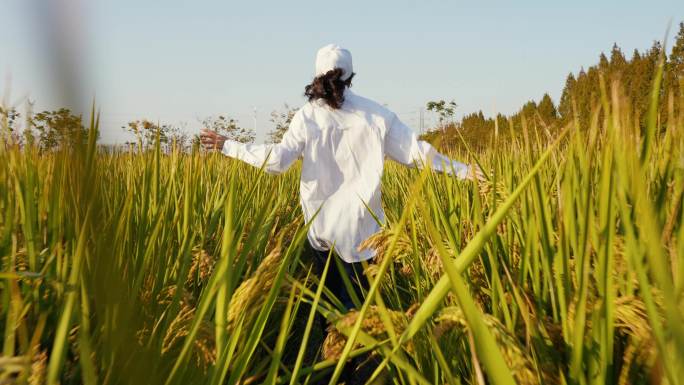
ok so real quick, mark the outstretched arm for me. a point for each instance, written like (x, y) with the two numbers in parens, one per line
(276, 158)
(403, 146)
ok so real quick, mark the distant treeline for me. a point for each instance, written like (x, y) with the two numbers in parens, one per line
(634, 79)
(49, 130)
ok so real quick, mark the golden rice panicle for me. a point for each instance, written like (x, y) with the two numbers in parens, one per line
(285, 234)
(204, 350)
(433, 264)
(38, 367)
(20, 260)
(372, 325)
(201, 267)
(452, 320)
(249, 296)
(380, 242)
(411, 311)
(165, 297)
(377, 242)
(631, 320)
(333, 344)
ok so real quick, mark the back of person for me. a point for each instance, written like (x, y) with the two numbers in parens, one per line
(342, 165)
(343, 139)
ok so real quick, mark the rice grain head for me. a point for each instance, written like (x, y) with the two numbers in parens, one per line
(201, 267)
(371, 324)
(380, 242)
(38, 367)
(452, 320)
(249, 296)
(631, 320)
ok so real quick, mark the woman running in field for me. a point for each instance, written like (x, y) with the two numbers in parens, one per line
(343, 139)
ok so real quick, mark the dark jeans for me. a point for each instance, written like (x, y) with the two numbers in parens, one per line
(354, 370)
(334, 281)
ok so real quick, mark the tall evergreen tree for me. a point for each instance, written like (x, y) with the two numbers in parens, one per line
(529, 110)
(677, 55)
(565, 105)
(617, 61)
(632, 74)
(547, 110)
(582, 97)
(674, 74)
(649, 68)
(604, 64)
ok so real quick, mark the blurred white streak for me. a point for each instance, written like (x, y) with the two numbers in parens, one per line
(7, 101)
(62, 34)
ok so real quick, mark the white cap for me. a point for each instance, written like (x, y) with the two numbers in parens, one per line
(333, 56)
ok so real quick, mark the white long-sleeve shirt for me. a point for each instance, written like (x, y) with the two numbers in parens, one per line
(343, 153)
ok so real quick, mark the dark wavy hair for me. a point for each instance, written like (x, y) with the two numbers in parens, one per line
(329, 87)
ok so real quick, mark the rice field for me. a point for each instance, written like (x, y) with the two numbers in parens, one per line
(190, 268)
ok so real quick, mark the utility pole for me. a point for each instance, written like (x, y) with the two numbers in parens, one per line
(422, 124)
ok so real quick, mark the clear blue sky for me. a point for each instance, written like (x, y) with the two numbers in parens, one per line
(175, 61)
